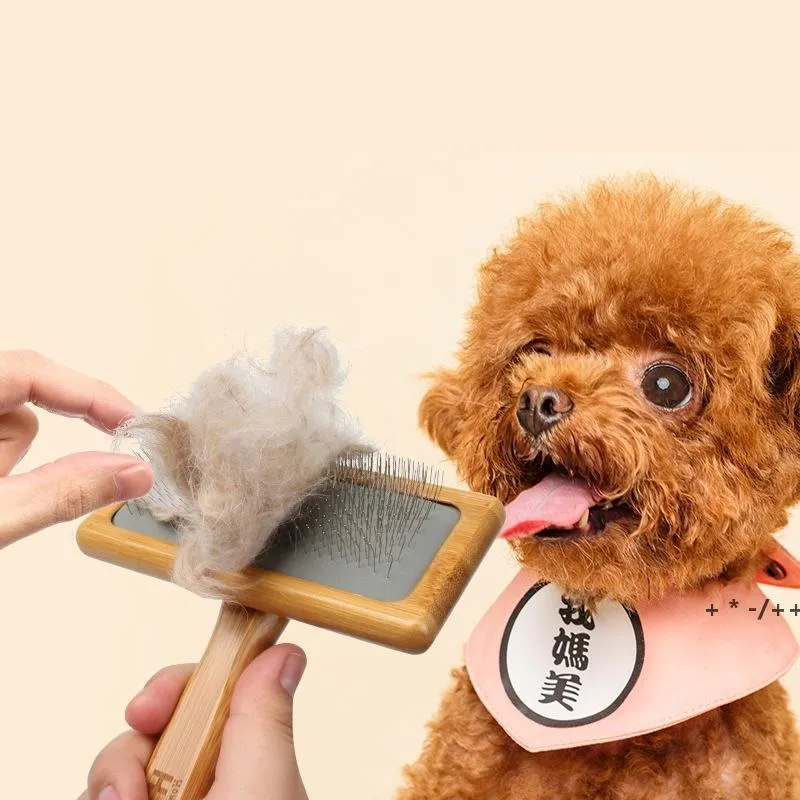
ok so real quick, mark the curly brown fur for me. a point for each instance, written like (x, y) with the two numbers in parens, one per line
(746, 750)
(588, 294)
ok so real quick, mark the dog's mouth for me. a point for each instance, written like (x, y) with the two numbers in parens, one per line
(562, 505)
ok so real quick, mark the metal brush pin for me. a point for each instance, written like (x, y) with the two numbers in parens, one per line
(363, 512)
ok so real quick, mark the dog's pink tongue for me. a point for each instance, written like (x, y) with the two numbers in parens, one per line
(557, 501)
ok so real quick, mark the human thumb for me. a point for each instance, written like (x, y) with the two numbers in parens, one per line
(257, 758)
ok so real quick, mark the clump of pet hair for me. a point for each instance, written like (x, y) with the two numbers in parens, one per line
(236, 455)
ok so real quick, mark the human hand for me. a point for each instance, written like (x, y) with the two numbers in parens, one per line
(257, 758)
(76, 484)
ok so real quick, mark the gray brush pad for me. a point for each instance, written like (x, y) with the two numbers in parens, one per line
(383, 568)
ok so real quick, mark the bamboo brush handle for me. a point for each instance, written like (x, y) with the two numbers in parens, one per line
(183, 763)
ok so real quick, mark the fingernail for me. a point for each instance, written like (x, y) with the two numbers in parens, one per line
(109, 793)
(292, 671)
(132, 481)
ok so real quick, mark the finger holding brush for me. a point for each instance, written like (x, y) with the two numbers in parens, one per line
(261, 723)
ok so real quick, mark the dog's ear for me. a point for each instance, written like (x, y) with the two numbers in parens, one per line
(441, 411)
(784, 370)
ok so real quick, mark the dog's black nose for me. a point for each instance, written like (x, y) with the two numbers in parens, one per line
(541, 407)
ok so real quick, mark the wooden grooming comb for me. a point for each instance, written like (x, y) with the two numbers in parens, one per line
(381, 553)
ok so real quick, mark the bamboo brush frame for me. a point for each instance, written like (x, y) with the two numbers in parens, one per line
(410, 624)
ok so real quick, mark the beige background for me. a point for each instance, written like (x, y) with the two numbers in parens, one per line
(176, 178)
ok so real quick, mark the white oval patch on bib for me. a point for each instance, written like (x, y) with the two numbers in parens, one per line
(562, 665)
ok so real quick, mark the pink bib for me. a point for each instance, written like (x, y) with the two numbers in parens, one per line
(554, 675)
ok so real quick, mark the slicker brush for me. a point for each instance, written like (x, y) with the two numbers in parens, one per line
(267, 498)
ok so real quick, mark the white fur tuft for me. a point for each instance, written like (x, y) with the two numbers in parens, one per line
(235, 456)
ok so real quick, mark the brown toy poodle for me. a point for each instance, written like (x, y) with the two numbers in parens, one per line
(646, 338)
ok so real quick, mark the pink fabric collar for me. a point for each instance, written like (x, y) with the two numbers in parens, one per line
(555, 676)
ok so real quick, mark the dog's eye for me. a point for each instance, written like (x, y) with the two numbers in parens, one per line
(534, 346)
(666, 386)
